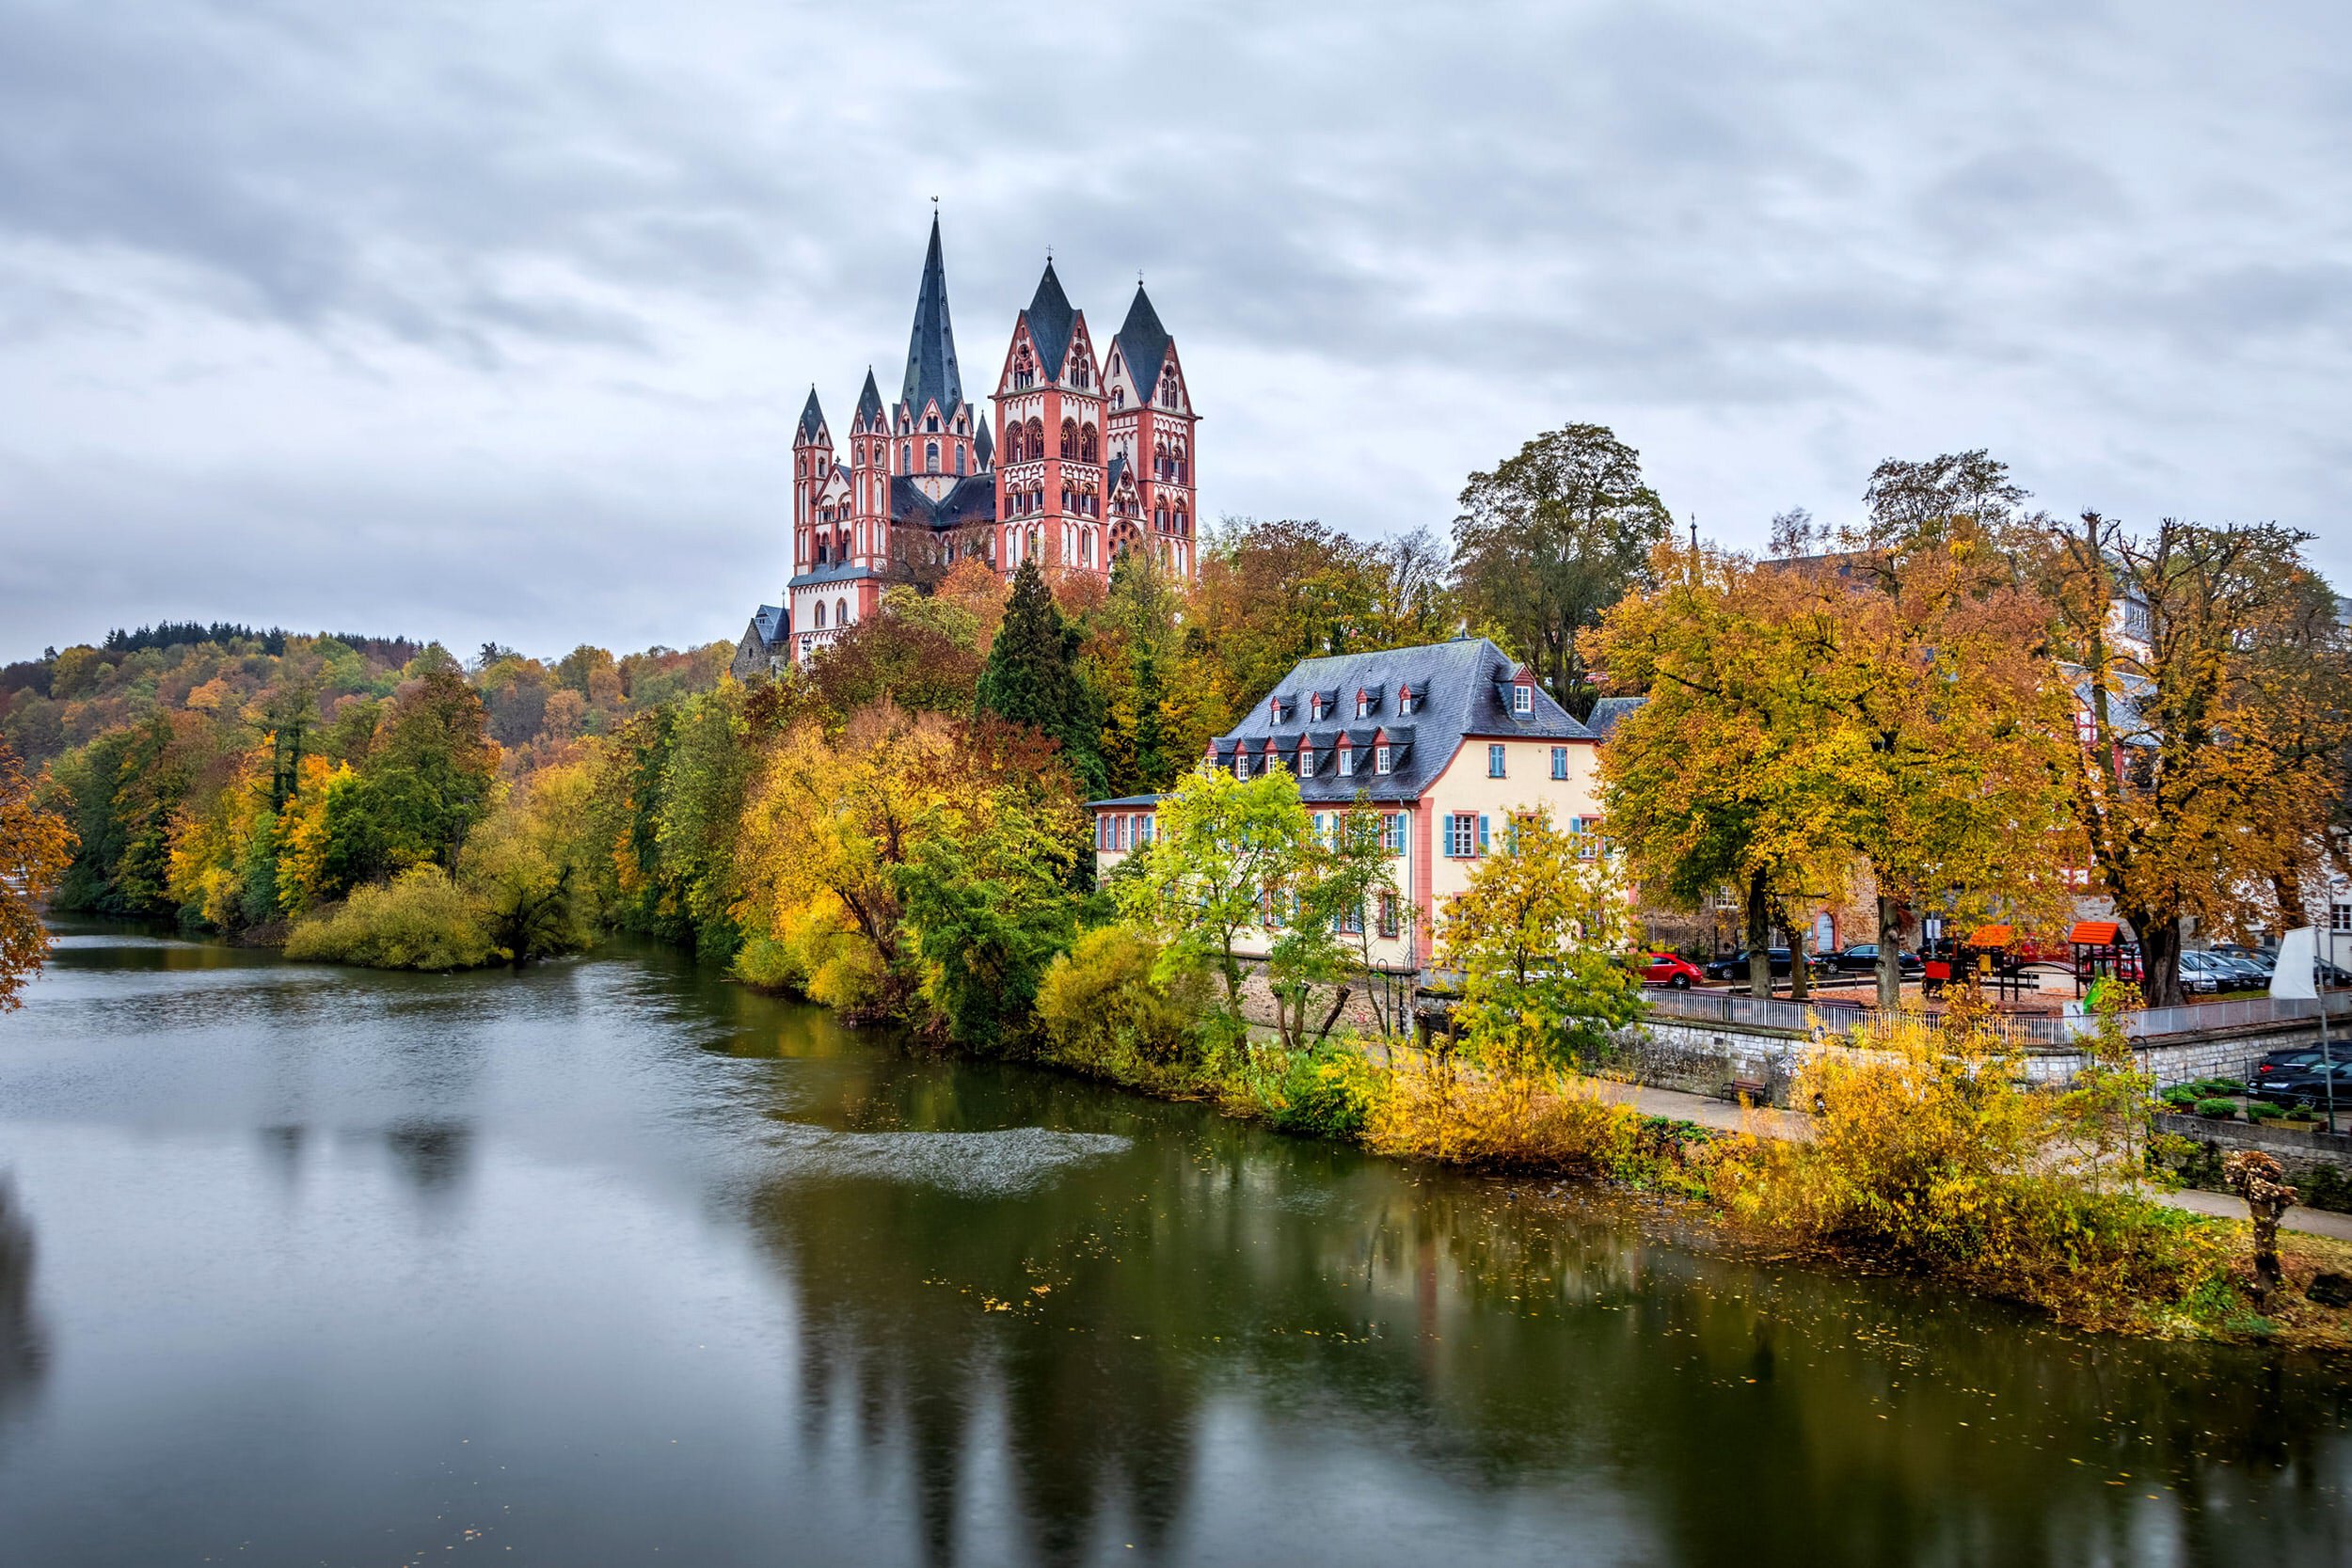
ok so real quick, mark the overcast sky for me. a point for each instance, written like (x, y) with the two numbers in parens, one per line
(490, 319)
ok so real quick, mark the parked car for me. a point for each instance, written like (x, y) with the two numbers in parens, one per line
(2263, 963)
(1672, 969)
(1863, 959)
(2277, 1063)
(1736, 966)
(2232, 972)
(2197, 980)
(2309, 1082)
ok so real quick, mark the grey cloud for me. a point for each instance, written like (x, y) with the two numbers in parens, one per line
(441, 263)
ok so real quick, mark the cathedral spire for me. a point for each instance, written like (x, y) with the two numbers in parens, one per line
(869, 406)
(1142, 341)
(932, 351)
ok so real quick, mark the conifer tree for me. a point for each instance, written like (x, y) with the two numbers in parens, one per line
(1032, 675)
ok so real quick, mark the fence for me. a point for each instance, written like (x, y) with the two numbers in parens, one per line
(1838, 1018)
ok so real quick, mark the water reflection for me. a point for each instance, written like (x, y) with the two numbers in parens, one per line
(623, 1261)
(23, 1350)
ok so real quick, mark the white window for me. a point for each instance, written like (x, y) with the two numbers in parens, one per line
(1522, 698)
(1144, 825)
(1241, 764)
(2340, 917)
(1348, 762)
(1465, 834)
(1494, 761)
(1393, 831)
(1363, 704)
(1379, 759)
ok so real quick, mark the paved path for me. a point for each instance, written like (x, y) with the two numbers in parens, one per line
(1710, 1112)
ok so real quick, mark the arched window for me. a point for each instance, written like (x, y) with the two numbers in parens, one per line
(1184, 524)
(1088, 449)
(1070, 440)
(1159, 461)
(1177, 453)
(1036, 440)
(931, 457)
(820, 615)
(840, 612)
(1119, 397)
(906, 457)
(958, 457)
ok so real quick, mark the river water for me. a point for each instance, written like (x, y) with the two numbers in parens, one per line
(609, 1263)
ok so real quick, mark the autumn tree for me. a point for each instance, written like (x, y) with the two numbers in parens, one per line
(1547, 539)
(1540, 937)
(2211, 732)
(917, 653)
(36, 846)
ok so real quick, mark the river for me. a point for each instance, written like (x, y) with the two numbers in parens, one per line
(610, 1262)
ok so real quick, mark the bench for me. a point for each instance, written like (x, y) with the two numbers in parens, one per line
(1754, 1091)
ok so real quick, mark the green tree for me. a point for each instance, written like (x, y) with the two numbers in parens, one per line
(1224, 849)
(1547, 539)
(1032, 675)
(986, 908)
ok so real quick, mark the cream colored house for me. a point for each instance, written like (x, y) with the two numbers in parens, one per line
(1445, 741)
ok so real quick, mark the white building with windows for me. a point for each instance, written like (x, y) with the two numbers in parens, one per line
(1446, 741)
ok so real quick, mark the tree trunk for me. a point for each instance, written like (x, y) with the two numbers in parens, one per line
(1339, 1004)
(1800, 987)
(1759, 937)
(2159, 956)
(1890, 953)
(2287, 887)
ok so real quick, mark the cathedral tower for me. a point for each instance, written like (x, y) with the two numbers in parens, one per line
(1049, 444)
(1151, 426)
(934, 425)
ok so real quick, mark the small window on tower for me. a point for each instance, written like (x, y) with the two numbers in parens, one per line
(931, 455)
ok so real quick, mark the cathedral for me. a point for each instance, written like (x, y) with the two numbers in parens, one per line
(1085, 458)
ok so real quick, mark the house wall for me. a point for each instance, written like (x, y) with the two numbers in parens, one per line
(1527, 784)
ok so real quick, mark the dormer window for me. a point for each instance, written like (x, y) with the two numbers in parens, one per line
(1315, 707)
(1348, 761)
(1241, 764)
(1523, 697)
(1406, 701)
(1363, 704)
(1380, 759)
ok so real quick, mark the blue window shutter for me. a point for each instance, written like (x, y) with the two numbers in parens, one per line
(1482, 833)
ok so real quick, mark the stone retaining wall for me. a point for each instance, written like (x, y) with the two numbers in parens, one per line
(2319, 1163)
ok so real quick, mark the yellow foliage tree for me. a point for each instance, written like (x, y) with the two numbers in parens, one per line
(35, 845)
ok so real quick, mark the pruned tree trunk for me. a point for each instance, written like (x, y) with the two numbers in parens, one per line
(2257, 1178)
(1339, 1004)
(1759, 937)
(1800, 984)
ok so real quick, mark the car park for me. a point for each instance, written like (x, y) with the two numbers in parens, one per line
(1672, 970)
(1735, 967)
(1863, 959)
(2234, 972)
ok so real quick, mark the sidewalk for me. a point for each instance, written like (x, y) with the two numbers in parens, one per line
(1710, 1112)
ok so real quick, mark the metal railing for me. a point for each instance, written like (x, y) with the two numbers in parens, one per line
(1838, 1018)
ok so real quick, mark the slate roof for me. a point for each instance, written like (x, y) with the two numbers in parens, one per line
(971, 501)
(869, 405)
(1603, 719)
(1050, 317)
(770, 624)
(1456, 683)
(984, 445)
(812, 417)
(838, 571)
(931, 349)
(1116, 471)
(1127, 800)
(1143, 343)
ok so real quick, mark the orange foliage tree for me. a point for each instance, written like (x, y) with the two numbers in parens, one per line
(35, 845)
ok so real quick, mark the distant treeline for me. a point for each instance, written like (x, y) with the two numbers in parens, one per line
(172, 634)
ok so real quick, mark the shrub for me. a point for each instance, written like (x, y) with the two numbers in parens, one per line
(1328, 1090)
(1435, 1110)
(2182, 1096)
(422, 920)
(1103, 1013)
(1935, 1153)
(2258, 1110)
(2218, 1110)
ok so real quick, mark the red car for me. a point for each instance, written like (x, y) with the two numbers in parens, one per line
(1667, 970)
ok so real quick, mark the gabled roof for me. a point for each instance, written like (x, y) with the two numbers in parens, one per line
(869, 405)
(973, 499)
(931, 372)
(1050, 316)
(1606, 713)
(1143, 343)
(770, 624)
(1456, 683)
(812, 418)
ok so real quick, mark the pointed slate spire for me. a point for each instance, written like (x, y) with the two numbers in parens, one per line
(869, 405)
(932, 351)
(812, 418)
(984, 444)
(1143, 343)
(1050, 316)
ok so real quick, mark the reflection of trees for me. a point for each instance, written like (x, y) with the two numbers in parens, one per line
(1497, 1339)
(23, 1355)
